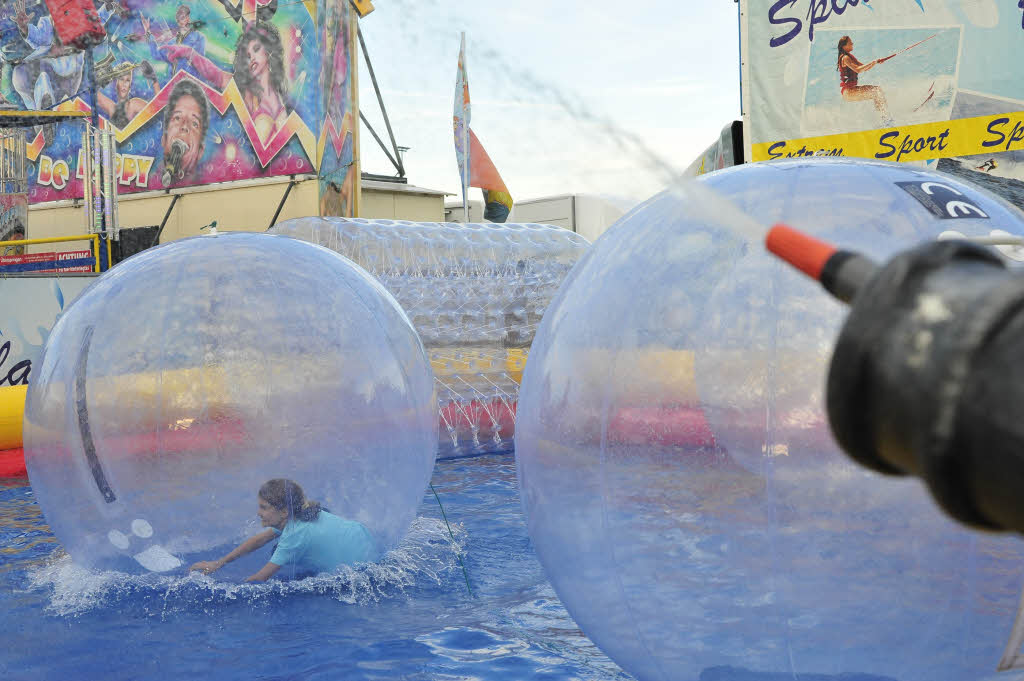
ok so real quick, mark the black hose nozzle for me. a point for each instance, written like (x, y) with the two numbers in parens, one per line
(927, 376)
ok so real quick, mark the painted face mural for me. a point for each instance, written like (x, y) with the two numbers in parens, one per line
(186, 119)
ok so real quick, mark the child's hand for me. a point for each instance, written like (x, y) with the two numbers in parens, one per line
(206, 566)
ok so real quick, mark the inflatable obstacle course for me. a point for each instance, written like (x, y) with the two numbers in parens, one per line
(12, 409)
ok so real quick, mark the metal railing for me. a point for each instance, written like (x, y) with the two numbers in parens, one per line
(95, 238)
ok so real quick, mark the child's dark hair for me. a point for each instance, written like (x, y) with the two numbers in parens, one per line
(842, 43)
(284, 494)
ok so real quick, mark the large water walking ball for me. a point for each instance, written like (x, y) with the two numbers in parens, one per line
(188, 375)
(681, 486)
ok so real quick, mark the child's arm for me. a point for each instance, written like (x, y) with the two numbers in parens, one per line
(244, 549)
(265, 573)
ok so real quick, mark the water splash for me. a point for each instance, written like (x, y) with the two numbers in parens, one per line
(426, 558)
(704, 203)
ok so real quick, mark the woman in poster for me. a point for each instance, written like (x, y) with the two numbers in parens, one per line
(258, 71)
(338, 100)
(121, 110)
(849, 68)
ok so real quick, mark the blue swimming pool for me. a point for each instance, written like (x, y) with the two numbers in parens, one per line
(411, 617)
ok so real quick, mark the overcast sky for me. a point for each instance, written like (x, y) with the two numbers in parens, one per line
(567, 96)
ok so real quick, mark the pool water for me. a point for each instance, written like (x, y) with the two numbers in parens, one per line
(411, 617)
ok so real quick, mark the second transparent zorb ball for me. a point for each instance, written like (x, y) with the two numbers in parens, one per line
(681, 487)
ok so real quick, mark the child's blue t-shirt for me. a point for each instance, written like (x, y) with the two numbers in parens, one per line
(323, 544)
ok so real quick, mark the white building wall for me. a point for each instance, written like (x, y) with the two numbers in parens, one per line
(588, 215)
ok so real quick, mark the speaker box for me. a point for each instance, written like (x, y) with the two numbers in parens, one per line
(133, 240)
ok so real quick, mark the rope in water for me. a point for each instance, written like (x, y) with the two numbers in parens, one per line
(452, 535)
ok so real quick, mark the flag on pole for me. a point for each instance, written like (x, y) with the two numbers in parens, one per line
(461, 123)
(475, 167)
(483, 174)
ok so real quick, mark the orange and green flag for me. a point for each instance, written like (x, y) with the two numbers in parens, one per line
(475, 167)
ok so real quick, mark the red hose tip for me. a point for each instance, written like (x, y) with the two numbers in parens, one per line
(803, 252)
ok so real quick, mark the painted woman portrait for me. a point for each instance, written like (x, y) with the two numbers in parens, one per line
(260, 75)
(337, 168)
(123, 107)
(336, 65)
(259, 72)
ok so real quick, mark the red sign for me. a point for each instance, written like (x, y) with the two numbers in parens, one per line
(49, 257)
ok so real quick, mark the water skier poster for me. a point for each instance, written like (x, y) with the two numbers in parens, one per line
(940, 77)
(909, 87)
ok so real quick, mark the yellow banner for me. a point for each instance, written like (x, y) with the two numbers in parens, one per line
(945, 139)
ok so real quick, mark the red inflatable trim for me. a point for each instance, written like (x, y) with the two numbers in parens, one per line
(12, 463)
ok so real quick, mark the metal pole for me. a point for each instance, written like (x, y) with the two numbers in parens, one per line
(163, 222)
(280, 205)
(465, 172)
(90, 68)
(49, 240)
(397, 164)
(464, 179)
(97, 199)
(20, 145)
(114, 216)
(90, 222)
(5, 160)
(380, 101)
(108, 208)
(90, 74)
(5, 163)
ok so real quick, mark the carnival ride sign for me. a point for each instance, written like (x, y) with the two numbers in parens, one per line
(198, 92)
